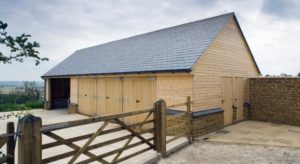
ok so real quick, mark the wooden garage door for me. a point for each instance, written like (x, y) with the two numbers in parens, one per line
(109, 96)
(113, 96)
(101, 97)
(86, 96)
(238, 96)
(227, 99)
(233, 95)
(138, 94)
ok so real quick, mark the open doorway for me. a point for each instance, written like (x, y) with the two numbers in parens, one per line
(60, 93)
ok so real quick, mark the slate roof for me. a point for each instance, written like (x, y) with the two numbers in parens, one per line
(172, 49)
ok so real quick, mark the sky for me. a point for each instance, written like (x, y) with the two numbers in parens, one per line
(271, 27)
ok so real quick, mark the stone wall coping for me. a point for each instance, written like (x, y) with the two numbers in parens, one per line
(197, 114)
(207, 112)
(173, 111)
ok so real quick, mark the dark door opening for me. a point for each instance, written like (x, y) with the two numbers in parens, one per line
(60, 93)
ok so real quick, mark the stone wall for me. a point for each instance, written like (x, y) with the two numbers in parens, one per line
(275, 100)
(175, 125)
(72, 108)
(203, 122)
(207, 121)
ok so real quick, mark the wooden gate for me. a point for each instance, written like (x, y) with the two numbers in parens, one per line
(32, 132)
(8, 140)
(82, 148)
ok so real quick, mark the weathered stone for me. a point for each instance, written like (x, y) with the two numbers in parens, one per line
(72, 108)
(275, 100)
(206, 124)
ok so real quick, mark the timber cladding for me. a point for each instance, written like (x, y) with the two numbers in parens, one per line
(174, 89)
(275, 100)
(227, 56)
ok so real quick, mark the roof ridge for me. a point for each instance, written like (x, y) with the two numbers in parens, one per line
(167, 28)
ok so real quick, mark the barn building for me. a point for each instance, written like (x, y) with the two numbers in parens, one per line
(208, 60)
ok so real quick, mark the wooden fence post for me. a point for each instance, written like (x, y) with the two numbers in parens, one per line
(160, 119)
(10, 147)
(188, 118)
(30, 140)
(155, 114)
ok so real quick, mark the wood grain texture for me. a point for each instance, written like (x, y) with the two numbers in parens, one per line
(138, 93)
(227, 101)
(74, 90)
(47, 94)
(174, 89)
(86, 96)
(227, 56)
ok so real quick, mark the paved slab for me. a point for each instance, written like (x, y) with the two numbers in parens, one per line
(260, 133)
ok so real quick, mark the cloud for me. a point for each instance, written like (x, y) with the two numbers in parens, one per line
(285, 9)
(65, 26)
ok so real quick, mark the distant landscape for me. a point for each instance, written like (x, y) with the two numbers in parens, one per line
(20, 95)
(7, 87)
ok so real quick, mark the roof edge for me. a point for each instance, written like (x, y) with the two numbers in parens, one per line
(122, 73)
(247, 45)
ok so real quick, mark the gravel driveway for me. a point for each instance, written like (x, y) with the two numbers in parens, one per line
(225, 153)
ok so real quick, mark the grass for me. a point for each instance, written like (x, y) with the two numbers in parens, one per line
(31, 104)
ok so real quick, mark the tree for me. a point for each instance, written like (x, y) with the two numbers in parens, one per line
(299, 74)
(31, 90)
(283, 75)
(19, 47)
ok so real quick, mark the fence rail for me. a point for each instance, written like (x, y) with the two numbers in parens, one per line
(179, 124)
(151, 132)
(70, 124)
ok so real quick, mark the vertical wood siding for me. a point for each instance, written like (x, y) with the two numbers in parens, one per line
(47, 90)
(138, 93)
(86, 96)
(227, 56)
(74, 90)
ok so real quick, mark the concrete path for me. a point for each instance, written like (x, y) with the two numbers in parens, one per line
(57, 116)
(259, 133)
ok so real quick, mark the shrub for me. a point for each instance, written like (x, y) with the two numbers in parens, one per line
(12, 107)
(34, 104)
(13, 98)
